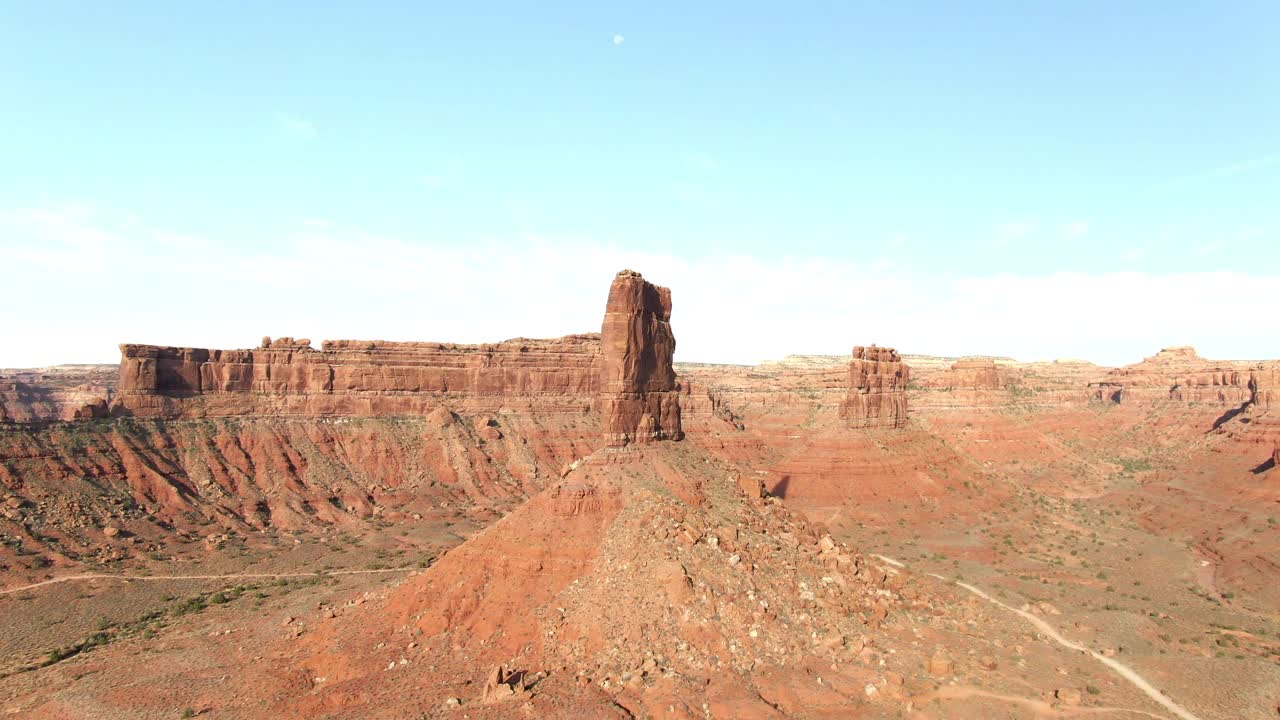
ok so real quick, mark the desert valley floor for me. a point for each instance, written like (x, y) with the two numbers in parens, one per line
(580, 528)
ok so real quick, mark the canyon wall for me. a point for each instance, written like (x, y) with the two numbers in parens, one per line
(1180, 374)
(877, 389)
(66, 392)
(1264, 385)
(640, 399)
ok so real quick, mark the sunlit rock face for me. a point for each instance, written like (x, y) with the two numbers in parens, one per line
(639, 392)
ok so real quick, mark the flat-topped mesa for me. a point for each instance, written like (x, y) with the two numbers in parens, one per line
(639, 394)
(877, 389)
(359, 378)
(1180, 374)
(976, 374)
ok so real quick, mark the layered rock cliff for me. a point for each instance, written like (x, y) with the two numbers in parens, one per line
(976, 374)
(359, 378)
(639, 397)
(1179, 373)
(1264, 385)
(877, 389)
(65, 392)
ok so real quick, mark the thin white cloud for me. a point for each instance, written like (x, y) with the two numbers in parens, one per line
(1225, 239)
(618, 39)
(60, 238)
(1213, 247)
(296, 126)
(695, 195)
(727, 308)
(1013, 230)
(1242, 167)
(702, 160)
(1076, 229)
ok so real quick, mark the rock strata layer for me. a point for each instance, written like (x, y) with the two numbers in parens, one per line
(976, 374)
(65, 392)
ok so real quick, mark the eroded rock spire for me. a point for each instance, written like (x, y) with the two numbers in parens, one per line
(639, 392)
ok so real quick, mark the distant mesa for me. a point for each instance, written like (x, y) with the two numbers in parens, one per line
(626, 372)
(976, 374)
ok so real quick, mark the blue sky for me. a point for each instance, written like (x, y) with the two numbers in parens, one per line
(1089, 179)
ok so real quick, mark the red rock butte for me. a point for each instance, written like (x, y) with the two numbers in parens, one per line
(877, 389)
(640, 398)
(975, 374)
(358, 378)
(625, 372)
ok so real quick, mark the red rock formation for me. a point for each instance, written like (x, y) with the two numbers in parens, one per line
(56, 393)
(975, 374)
(1179, 373)
(639, 392)
(360, 378)
(877, 389)
(1264, 385)
(970, 384)
(1107, 392)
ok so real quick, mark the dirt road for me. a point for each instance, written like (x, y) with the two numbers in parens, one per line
(234, 576)
(1049, 631)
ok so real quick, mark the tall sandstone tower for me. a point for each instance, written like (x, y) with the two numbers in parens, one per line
(639, 393)
(877, 389)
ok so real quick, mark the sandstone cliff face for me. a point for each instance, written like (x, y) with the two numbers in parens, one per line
(982, 383)
(976, 374)
(877, 389)
(66, 392)
(1180, 374)
(639, 393)
(359, 378)
(1264, 385)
